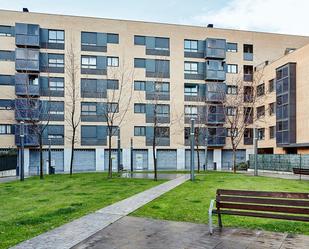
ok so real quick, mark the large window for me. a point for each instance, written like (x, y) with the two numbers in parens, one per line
(112, 61)
(163, 132)
(272, 132)
(139, 63)
(5, 129)
(139, 131)
(89, 38)
(191, 67)
(271, 85)
(162, 110)
(191, 90)
(55, 36)
(89, 62)
(231, 47)
(139, 85)
(162, 43)
(191, 45)
(139, 108)
(139, 40)
(112, 107)
(89, 109)
(260, 111)
(260, 90)
(191, 111)
(272, 108)
(162, 87)
(232, 68)
(56, 84)
(5, 31)
(55, 60)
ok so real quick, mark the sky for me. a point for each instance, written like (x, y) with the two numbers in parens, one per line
(280, 16)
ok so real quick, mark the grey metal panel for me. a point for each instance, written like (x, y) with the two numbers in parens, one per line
(227, 158)
(57, 158)
(114, 159)
(202, 159)
(93, 71)
(84, 160)
(189, 76)
(166, 159)
(140, 159)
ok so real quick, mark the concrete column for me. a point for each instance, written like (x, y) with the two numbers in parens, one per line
(218, 158)
(126, 158)
(99, 159)
(67, 159)
(181, 160)
(249, 151)
(150, 160)
(26, 161)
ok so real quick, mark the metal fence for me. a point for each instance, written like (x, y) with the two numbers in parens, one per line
(8, 162)
(276, 162)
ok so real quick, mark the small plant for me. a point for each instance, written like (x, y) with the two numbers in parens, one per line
(242, 166)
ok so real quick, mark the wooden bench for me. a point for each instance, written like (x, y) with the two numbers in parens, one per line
(275, 205)
(300, 171)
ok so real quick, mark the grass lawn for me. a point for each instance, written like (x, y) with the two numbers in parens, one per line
(35, 206)
(190, 201)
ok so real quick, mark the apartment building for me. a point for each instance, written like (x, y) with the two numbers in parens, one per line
(189, 65)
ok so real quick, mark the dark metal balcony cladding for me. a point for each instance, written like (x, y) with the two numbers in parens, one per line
(31, 137)
(215, 114)
(93, 135)
(215, 70)
(93, 41)
(27, 60)
(51, 86)
(27, 35)
(27, 84)
(54, 133)
(215, 48)
(156, 51)
(94, 88)
(161, 141)
(216, 136)
(27, 109)
(215, 92)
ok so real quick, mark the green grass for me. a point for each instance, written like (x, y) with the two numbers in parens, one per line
(35, 206)
(190, 201)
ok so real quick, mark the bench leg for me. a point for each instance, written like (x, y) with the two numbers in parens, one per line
(219, 220)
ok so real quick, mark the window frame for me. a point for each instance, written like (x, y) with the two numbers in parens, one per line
(111, 61)
(231, 50)
(189, 70)
(190, 48)
(139, 131)
(89, 64)
(56, 40)
(6, 129)
(230, 66)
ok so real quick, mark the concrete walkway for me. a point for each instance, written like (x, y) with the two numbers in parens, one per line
(8, 179)
(283, 175)
(78, 230)
(141, 233)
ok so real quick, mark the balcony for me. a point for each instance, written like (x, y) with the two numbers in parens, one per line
(215, 118)
(27, 109)
(216, 141)
(27, 35)
(215, 92)
(248, 56)
(30, 139)
(215, 48)
(27, 85)
(215, 70)
(27, 60)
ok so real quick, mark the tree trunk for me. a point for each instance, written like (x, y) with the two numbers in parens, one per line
(41, 157)
(234, 160)
(72, 152)
(154, 155)
(110, 166)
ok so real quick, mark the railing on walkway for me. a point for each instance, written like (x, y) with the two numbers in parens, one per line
(280, 162)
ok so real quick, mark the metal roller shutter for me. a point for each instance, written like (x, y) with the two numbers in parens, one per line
(140, 159)
(202, 159)
(114, 159)
(84, 160)
(227, 158)
(167, 159)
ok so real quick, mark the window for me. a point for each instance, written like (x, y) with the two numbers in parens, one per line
(139, 63)
(139, 85)
(89, 109)
(248, 48)
(162, 110)
(163, 132)
(56, 84)
(232, 68)
(89, 38)
(191, 45)
(162, 43)
(232, 132)
(191, 90)
(260, 111)
(113, 38)
(33, 80)
(6, 129)
(112, 107)
(248, 136)
(271, 85)
(231, 47)
(55, 60)
(139, 40)
(112, 61)
(231, 111)
(162, 87)
(191, 67)
(191, 111)
(272, 131)
(89, 62)
(272, 109)
(261, 133)
(9, 55)
(260, 90)
(139, 108)
(230, 89)
(6, 104)
(139, 131)
(5, 31)
(55, 36)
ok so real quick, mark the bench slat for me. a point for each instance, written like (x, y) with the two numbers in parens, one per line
(264, 215)
(281, 202)
(263, 194)
(277, 209)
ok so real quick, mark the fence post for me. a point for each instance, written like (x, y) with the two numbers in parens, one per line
(300, 167)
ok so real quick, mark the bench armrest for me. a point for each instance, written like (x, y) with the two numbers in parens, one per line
(211, 206)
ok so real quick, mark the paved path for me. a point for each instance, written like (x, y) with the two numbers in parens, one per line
(284, 175)
(74, 232)
(141, 233)
(8, 179)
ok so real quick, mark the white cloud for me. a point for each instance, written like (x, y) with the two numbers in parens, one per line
(283, 16)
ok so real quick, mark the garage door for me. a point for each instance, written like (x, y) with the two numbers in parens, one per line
(57, 160)
(227, 158)
(84, 160)
(114, 160)
(167, 159)
(140, 159)
(202, 159)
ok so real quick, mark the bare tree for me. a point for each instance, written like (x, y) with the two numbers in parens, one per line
(73, 116)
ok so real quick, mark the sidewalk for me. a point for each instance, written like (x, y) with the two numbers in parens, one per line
(72, 233)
